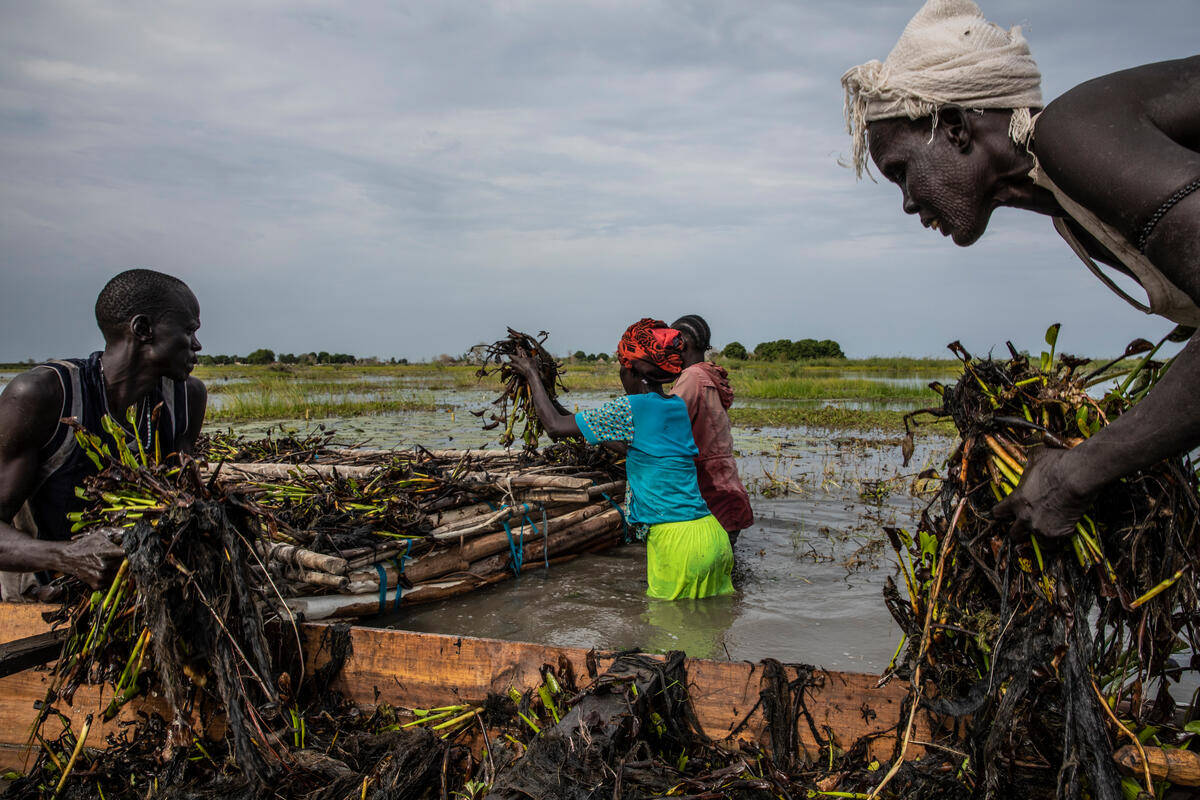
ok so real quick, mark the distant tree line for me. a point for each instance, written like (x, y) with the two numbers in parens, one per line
(786, 350)
(589, 358)
(265, 356)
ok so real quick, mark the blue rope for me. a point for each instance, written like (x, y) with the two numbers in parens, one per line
(545, 534)
(382, 587)
(516, 555)
(624, 522)
(400, 571)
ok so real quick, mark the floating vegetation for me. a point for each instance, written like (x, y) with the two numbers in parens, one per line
(1051, 654)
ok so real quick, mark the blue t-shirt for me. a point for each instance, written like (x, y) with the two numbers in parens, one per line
(660, 465)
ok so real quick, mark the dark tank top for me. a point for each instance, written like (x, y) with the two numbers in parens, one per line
(64, 465)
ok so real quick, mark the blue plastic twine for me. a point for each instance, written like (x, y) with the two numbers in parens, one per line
(383, 587)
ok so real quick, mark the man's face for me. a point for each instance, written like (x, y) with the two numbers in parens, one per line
(175, 343)
(941, 183)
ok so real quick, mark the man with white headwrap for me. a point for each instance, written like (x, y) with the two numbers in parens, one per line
(951, 116)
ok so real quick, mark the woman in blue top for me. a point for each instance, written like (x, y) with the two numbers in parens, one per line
(687, 550)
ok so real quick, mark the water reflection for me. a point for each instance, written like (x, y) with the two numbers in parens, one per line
(696, 627)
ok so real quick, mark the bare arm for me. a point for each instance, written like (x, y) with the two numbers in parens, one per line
(1121, 145)
(556, 423)
(1056, 490)
(29, 411)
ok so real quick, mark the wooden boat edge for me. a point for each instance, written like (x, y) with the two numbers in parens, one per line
(409, 669)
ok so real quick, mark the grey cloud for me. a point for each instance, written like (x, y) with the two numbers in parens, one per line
(407, 179)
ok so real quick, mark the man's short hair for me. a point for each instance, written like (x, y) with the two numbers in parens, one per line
(133, 292)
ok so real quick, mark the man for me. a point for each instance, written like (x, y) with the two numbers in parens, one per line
(951, 117)
(149, 322)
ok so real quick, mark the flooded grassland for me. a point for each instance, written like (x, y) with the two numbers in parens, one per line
(818, 446)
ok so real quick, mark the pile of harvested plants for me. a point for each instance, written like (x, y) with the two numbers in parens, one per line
(514, 404)
(187, 613)
(219, 556)
(355, 532)
(1048, 655)
(349, 532)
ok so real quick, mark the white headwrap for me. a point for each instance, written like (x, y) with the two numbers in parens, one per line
(948, 53)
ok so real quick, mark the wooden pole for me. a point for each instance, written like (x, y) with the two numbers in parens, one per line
(299, 557)
(1181, 767)
(494, 521)
(569, 529)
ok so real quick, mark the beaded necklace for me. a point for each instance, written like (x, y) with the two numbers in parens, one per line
(142, 413)
(1161, 211)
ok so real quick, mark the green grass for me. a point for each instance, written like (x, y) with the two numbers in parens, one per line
(265, 400)
(802, 380)
(274, 385)
(822, 388)
(751, 380)
(833, 418)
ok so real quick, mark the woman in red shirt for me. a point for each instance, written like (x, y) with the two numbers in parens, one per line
(705, 388)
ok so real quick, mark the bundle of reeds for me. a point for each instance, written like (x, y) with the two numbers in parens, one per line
(352, 532)
(419, 526)
(1049, 653)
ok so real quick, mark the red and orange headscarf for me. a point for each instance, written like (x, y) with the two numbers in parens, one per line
(651, 340)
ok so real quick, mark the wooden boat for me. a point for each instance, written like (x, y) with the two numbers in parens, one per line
(423, 670)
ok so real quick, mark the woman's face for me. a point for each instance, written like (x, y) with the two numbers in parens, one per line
(943, 182)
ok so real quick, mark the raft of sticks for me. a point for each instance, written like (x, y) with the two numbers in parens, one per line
(411, 527)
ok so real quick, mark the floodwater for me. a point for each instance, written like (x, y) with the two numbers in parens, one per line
(809, 573)
(809, 576)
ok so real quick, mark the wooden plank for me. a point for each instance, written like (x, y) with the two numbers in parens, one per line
(420, 670)
(423, 670)
(30, 651)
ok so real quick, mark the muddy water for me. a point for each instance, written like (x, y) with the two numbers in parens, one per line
(809, 572)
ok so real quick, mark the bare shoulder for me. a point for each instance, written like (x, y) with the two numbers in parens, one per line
(30, 407)
(196, 388)
(197, 396)
(37, 387)
(1165, 94)
(1121, 143)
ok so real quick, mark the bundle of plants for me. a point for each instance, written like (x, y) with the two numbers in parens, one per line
(283, 447)
(184, 619)
(1049, 653)
(321, 747)
(514, 404)
(335, 511)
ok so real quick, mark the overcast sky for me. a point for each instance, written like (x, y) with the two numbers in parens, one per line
(406, 179)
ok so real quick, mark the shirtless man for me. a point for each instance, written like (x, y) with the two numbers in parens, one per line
(149, 322)
(951, 118)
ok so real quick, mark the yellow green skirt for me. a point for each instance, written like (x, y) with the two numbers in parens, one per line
(688, 559)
